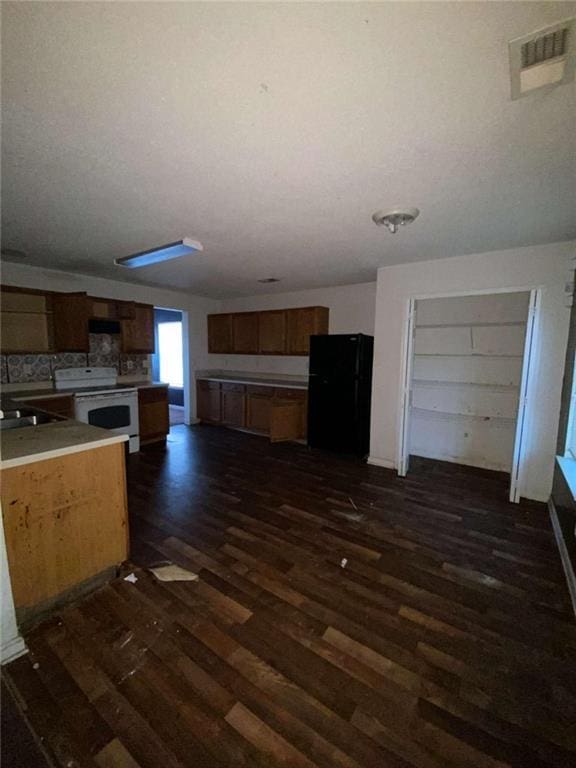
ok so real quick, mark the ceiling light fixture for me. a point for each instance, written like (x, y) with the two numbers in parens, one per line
(162, 253)
(397, 217)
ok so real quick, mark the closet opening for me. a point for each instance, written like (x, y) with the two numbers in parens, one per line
(466, 385)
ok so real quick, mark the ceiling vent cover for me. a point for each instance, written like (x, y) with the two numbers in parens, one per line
(543, 59)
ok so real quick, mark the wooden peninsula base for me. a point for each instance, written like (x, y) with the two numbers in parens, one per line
(66, 526)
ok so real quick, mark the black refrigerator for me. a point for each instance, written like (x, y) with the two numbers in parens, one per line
(339, 392)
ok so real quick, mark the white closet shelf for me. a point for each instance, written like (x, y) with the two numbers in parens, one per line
(510, 324)
(497, 421)
(485, 387)
(468, 354)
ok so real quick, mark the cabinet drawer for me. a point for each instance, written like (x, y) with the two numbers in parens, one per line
(257, 389)
(152, 394)
(226, 387)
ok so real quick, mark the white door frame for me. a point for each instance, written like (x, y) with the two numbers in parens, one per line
(525, 403)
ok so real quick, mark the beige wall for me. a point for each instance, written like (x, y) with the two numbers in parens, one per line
(546, 267)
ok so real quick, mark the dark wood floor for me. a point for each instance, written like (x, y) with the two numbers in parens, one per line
(446, 640)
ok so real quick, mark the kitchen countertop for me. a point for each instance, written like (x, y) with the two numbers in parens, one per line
(51, 391)
(49, 441)
(237, 377)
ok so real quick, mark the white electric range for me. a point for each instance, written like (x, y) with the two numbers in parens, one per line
(99, 400)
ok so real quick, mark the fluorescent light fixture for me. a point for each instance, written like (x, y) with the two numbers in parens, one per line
(162, 253)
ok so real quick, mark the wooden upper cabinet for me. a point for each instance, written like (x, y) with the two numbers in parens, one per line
(272, 332)
(245, 333)
(71, 314)
(26, 321)
(303, 323)
(103, 309)
(220, 333)
(138, 330)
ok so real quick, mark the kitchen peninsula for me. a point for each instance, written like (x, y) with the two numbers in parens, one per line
(64, 509)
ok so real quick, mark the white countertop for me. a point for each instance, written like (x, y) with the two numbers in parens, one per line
(265, 380)
(27, 445)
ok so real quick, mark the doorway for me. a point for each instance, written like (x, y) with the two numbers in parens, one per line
(467, 366)
(168, 361)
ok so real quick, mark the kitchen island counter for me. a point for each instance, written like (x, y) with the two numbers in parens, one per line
(26, 445)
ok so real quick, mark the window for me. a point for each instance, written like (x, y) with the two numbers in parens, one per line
(170, 349)
(570, 451)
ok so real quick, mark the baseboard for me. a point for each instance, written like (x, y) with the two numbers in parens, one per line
(564, 556)
(13, 649)
(381, 463)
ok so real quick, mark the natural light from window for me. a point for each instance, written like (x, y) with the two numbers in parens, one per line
(170, 343)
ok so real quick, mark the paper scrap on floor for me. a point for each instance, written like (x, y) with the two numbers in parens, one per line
(173, 573)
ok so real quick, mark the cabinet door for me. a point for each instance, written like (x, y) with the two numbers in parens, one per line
(138, 331)
(208, 401)
(153, 414)
(26, 321)
(272, 332)
(258, 409)
(303, 323)
(219, 334)
(103, 309)
(285, 420)
(245, 333)
(234, 405)
(299, 396)
(71, 314)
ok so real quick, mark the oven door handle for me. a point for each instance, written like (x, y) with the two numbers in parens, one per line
(99, 398)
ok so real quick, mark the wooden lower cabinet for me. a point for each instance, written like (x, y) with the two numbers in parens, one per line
(208, 401)
(153, 414)
(233, 404)
(65, 522)
(289, 415)
(278, 412)
(258, 407)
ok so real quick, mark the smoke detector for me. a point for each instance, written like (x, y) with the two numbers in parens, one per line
(397, 217)
(543, 59)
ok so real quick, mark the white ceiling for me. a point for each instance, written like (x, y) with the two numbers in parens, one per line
(271, 132)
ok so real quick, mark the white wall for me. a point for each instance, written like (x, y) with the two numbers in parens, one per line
(352, 310)
(466, 374)
(195, 308)
(546, 267)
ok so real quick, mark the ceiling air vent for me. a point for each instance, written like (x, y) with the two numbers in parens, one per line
(543, 59)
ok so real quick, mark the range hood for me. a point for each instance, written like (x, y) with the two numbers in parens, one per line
(104, 326)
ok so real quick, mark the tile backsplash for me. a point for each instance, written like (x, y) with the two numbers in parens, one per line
(104, 351)
(26, 368)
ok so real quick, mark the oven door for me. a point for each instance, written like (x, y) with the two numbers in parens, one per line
(113, 411)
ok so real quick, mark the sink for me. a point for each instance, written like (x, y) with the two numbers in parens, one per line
(14, 419)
